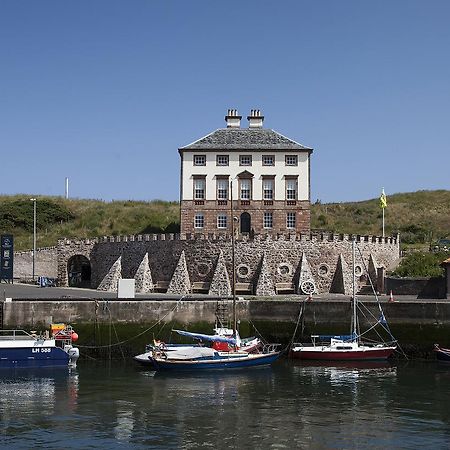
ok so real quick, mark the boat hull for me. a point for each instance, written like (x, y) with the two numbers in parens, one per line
(229, 362)
(327, 354)
(442, 354)
(23, 357)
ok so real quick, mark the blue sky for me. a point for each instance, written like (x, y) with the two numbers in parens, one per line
(105, 92)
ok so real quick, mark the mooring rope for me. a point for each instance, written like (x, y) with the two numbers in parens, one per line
(138, 335)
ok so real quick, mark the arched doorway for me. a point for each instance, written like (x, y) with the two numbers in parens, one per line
(246, 224)
(79, 271)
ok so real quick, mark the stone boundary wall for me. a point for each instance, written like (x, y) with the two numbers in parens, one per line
(326, 256)
(26, 313)
(46, 263)
(314, 237)
(433, 287)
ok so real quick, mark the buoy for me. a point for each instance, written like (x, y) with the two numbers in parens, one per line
(74, 336)
(391, 298)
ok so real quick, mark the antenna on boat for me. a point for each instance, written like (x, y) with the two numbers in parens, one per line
(233, 278)
(354, 290)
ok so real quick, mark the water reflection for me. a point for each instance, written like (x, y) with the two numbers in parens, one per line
(289, 405)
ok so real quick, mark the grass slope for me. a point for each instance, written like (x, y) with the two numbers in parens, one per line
(418, 216)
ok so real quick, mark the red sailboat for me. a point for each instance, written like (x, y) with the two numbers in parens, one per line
(353, 347)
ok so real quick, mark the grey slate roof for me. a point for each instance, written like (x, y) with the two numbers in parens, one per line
(245, 139)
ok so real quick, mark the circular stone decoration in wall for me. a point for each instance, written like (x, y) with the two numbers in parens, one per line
(358, 271)
(284, 269)
(243, 270)
(323, 270)
(308, 287)
(203, 269)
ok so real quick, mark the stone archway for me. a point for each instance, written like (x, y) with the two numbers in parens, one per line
(79, 271)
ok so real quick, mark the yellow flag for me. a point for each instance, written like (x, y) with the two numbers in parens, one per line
(383, 200)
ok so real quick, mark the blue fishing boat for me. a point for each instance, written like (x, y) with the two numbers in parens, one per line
(19, 349)
(200, 357)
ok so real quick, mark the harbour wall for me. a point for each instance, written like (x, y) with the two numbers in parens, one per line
(416, 324)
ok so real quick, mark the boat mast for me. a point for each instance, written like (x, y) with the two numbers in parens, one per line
(355, 324)
(233, 278)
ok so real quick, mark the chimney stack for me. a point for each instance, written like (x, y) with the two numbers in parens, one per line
(232, 119)
(255, 119)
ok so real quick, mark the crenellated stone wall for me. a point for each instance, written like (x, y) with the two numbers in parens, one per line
(325, 260)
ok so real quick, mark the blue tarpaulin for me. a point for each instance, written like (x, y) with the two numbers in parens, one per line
(207, 337)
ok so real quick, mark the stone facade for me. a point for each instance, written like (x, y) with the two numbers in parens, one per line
(211, 209)
(328, 257)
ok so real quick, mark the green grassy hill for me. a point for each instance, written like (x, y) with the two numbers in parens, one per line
(419, 217)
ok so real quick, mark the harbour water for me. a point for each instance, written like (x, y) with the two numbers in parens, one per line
(289, 405)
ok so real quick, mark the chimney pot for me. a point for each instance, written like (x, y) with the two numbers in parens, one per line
(232, 119)
(255, 119)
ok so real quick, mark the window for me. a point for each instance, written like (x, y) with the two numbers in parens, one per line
(291, 160)
(291, 189)
(222, 160)
(290, 220)
(245, 160)
(199, 188)
(245, 189)
(199, 160)
(268, 160)
(222, 188)
(268, 220)
(268, 188)
(199, 220)
(222, 221)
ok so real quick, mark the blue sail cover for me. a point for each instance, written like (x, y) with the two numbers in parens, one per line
(207, 337)
(342, 337)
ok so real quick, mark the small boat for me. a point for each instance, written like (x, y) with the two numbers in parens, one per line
(20, 349)
(442, 354)
(200, 357)
(355, 346)
(227, 350)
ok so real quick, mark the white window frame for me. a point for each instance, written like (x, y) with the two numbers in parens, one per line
(222, 221)
(268, 220)
(199, 190)
(199, 160)
(291, 194)
(245, 160)
(199, 221)
(268, 188)
(222, 160)
(265, 162)
(291, 220)
(248, 192)
(291, 160)
(222, 189)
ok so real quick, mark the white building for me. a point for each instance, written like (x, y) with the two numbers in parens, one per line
(269, 175)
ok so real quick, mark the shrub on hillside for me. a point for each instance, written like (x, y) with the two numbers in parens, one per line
(421, 264)
(19, 214)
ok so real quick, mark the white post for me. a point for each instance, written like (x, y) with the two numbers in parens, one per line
(67, 188)
(34, 234)
(383, 221)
